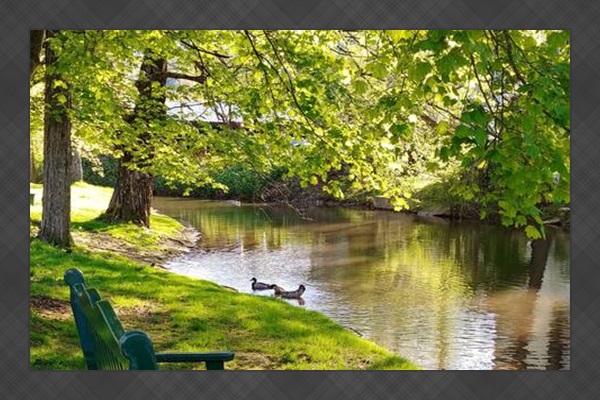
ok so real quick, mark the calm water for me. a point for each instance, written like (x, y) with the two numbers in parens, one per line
(447, 295)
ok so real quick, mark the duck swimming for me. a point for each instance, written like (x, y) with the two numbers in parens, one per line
(260, 286)
(296, 294)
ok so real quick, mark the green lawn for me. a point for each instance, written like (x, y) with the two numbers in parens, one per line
(179, 313)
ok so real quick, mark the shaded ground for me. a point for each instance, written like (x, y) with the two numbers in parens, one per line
(51, 308)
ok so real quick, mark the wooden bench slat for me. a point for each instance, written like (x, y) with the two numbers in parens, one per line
(107, 352)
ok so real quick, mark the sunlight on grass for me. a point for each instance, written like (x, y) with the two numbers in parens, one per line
(88, 202)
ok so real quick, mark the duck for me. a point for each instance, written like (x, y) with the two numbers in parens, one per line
(296, 294)
(260, 286)
(278, 290)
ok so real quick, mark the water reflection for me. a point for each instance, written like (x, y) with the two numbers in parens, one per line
(448, 295)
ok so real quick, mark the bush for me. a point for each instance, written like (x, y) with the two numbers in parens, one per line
(100, 172)
(243, 183)
(439, 195)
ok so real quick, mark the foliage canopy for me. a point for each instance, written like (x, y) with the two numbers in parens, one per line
(384, 107)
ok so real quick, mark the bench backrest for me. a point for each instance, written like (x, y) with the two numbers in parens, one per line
(105, 344)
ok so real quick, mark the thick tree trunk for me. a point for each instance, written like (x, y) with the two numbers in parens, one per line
(132, 196)
(76, 166)
(56, 200)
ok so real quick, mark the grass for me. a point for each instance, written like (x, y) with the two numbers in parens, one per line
(179, 313)
(88, 202)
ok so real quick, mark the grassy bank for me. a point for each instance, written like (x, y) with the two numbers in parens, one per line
(179, 313)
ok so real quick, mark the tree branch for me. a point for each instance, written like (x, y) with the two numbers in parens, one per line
(265, 74)
(176, 75)
(194, 46)
(480, 85)
(457, 118)
(520, 77)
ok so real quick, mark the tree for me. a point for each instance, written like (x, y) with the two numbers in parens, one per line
(56, 201)
(132, 196)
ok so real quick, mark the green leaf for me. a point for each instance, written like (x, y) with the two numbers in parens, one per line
(528, 123)
(398, 35)
(59, 84)
(529, 42)
(463, 131)
(480, 137)
(442, 127)
(417, 72)
(508, 209)
(378, 70)
(360, 86)
(475, 116)
(400, 130)
(444, 153)
(532, 232)
(61, 98)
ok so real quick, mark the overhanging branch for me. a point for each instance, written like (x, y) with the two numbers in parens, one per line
(177, 75)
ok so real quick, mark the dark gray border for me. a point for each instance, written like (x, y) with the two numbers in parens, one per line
(18, 16)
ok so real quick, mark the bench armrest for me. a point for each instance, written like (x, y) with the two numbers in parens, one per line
(213, 360)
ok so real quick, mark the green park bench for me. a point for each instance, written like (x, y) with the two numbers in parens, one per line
(106, 345)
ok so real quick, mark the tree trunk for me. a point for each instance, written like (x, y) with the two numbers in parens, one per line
(132, 196)
(56, 200)
(76, 166)
(36, 40)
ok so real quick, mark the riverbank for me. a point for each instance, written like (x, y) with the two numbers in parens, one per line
(179, 313)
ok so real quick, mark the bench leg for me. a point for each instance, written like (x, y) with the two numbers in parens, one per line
(213, 365)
